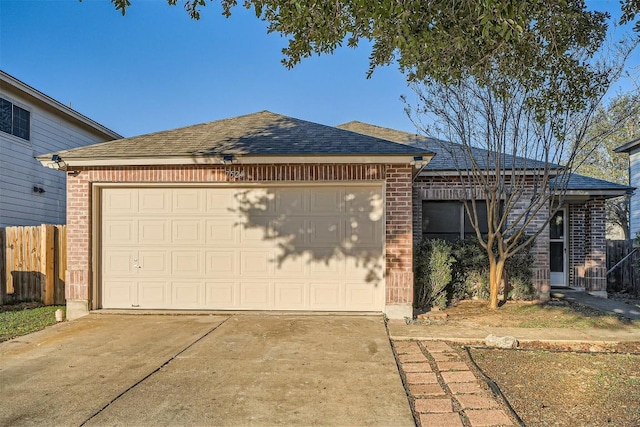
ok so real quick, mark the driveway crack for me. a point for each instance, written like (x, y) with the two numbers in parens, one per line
(140, 381)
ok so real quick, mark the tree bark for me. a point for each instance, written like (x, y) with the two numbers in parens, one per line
(496, 270)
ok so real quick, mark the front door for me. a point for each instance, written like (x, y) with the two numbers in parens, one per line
(558, 248)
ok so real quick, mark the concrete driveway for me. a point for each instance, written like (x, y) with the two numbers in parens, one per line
(203, 370)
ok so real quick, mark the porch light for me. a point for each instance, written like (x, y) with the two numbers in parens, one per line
(57, 163)
(228, 159)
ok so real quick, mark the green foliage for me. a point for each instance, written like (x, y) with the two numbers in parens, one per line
(432, 270)
(470, 271)
(14, 323)
(466, 272)
(519, 268)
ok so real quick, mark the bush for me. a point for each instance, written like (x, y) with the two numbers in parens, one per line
(433, 262)
(447, 272)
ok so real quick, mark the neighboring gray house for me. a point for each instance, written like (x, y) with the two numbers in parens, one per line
(633, 149)
(32, 123)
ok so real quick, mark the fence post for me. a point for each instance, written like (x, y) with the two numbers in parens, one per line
(47, 264)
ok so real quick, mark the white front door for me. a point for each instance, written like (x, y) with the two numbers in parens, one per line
(558, 248)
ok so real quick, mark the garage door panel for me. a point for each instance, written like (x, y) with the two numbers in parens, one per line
(365, 264)
(186, 263)
(118, 201)
(323, 231)
(221, 201)
(363, 233)
(290, 295)
(153, 201)
(185, 231)
(222, 263)
(325, 296)
(283, 248)
(291, 265)
(222, 231)
(221, 295)
(255, 202)
(187, 294)
(292, 202)
(255, 295)
(154, 294)
(118, 262)
(120, 232)
(153, 263)
(119, 294)
(256, 262)
(365, 202)
(188, 201)
(153, 231)
(361, 297)
(325, 262)
(326, 201)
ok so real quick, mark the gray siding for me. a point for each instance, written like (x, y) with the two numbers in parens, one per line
(20, 172)
(634, 178)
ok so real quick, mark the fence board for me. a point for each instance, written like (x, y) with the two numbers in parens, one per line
(625, 277)
(33, 263)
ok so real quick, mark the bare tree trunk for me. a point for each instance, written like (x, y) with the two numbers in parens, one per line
(496, 271)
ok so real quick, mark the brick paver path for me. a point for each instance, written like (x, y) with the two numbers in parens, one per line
(443, 390)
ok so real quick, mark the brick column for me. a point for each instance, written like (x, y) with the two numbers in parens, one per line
(77, 276)
(596, 253)
(399, 242)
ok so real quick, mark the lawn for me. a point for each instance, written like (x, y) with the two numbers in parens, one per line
(20, 320)
(558, 388)
(554, 314)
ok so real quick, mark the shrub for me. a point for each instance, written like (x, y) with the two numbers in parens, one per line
(433, 262)
(460, 270)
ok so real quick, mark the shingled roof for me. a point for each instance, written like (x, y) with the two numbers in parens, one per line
(450, 156)
(258, 134)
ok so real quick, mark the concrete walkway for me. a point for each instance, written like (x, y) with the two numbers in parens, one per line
(602, 304)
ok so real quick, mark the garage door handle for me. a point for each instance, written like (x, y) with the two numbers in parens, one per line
(137, 266)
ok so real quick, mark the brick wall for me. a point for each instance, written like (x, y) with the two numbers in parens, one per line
(451, 188)
(587, 240)
(399, 246)
(399, 240)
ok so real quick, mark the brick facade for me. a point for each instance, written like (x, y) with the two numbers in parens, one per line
(398, 245)
(587, 233)
(588, 246)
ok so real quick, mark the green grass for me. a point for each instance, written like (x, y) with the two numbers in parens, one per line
(15, 323)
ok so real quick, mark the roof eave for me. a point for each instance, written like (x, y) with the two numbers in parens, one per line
(417, 159)
(628, 146)
(61, 108)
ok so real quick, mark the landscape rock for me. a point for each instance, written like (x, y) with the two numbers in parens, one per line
(501, 342)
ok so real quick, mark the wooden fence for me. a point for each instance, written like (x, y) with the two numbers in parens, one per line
(625, 276)
(33, 261)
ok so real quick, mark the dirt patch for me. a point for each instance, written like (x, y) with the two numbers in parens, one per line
(552, 314)
(550, 388)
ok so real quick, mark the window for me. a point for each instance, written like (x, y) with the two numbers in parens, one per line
(448, 220)
(14, 120)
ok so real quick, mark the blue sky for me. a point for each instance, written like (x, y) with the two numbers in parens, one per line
(156, 69)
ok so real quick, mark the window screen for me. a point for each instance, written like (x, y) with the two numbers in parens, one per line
(14, 120)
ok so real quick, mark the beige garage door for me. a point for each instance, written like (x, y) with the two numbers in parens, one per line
(281, 248)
